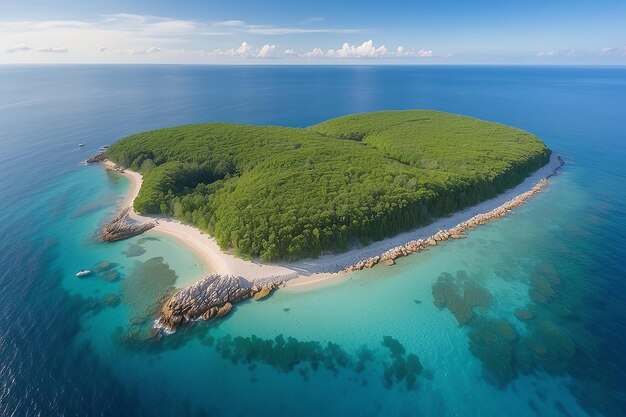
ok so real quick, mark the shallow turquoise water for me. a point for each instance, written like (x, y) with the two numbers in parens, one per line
(454, 345)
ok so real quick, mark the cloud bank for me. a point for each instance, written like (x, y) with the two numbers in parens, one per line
(133, 38)
(369, 50)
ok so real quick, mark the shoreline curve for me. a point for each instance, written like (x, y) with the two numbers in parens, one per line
(313, 272)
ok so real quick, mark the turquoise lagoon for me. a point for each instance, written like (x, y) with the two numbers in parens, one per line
(524, 317)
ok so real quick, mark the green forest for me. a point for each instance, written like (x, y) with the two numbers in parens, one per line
(287, 193)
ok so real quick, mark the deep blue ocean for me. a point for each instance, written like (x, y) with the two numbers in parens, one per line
(545, 286)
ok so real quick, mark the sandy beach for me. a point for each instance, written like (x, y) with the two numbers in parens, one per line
(310, 272)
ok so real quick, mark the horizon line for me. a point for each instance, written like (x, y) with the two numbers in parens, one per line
(295, 64)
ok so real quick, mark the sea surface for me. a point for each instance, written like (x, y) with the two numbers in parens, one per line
(525, 317)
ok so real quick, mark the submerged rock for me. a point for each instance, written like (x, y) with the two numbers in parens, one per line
(460, 295)
(402, 366)
(491, 342)
(103, 266)
(111, 300)
(111, 275)
(138, 320)
(543, 283)
(553, 347)
(524, 314)
(134, 250)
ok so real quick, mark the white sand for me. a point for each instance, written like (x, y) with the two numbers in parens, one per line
(310, 272)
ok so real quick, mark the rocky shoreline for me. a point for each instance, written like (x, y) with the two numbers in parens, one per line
(214, 296)
(123, 227)
(456, 232)
(100, 157)
(211, 298)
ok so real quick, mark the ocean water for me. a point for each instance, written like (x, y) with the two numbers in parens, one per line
(525, 317)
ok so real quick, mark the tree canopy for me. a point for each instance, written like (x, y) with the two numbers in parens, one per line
(279, 192)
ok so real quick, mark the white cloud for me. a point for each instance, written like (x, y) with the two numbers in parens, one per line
(233, 23)
(147, 24)
(242, 26)
(424, 53)
(369, 50)
(567, 53)
(312, 20)
(39, 26)
(18, 48)
(152, 50)
(366, 49)
(244, 50)
(315, 53)
(124, 17)
(613, 51)
(83, 40)
(267, 51)
(53, 50)
(132, 38)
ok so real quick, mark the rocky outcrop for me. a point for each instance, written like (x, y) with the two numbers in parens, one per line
(262, 293)
(210, 298)
(97, 158)
(123, 226)
(457, 232)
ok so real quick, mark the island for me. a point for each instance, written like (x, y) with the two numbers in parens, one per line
(269, 204)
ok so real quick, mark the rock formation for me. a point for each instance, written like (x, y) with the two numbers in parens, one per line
(210, 298)
(457, 232)
(97, 158)
(262, 293)
(123, 226)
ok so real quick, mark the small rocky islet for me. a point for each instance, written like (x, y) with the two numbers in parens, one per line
(209, 298)
(123, 226)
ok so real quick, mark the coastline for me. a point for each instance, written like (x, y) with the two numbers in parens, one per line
(313, 272)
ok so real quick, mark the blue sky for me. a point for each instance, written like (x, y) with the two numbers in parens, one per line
(333, 32)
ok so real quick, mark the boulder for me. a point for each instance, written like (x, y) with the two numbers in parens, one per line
(224, 310)
(264, 292)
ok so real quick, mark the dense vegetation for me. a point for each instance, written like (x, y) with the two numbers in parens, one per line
(278, 192)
